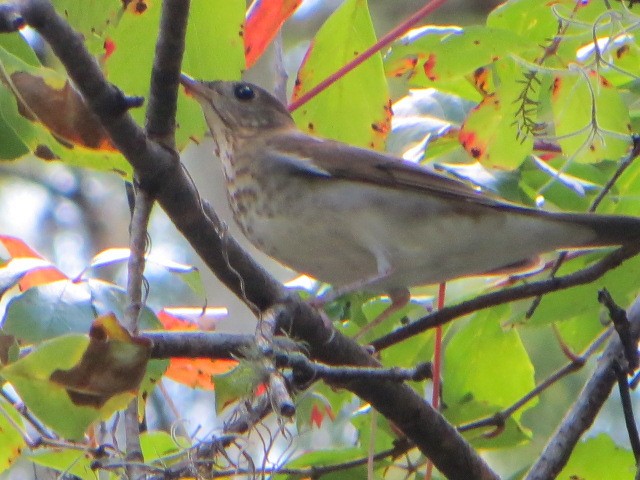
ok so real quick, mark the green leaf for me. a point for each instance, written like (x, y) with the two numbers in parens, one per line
(11, 442)
(486, 369)
(580, 98)
(65, 306)
(16, 45)
(93, 18)
(531, 19)
(330, 457)
(157, 445)
(582, 301)
(355, 109)
(235, 384)
(109, 298)
(65, 460)
(432, 57)
(48, 400)
(598, 458)
(491, 133)
(214, 50)
(49, 311)
(187, 273)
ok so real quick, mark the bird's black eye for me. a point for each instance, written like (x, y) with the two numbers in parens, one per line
(244, 92)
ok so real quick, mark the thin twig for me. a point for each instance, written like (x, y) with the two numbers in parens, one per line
(165, 76)
(576, 363)
(440, 317)
(621, 323)
(135, 282)
(627, 408)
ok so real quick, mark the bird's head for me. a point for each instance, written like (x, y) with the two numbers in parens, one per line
(237, 106)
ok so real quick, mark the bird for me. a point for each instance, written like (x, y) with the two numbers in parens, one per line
(361, 219)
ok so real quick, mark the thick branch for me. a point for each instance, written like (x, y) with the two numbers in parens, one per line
(584, 410)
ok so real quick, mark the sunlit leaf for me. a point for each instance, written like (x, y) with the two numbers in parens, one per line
(486, 368)
(214, 50)
(74, 462)
(598, 458)
(355, 109)
(187, 273)
(590, 119)
(27, 266)
(264, 20)
(11, 441)
(158, 444)
(49, 401)
(194, 372)
(490, 134)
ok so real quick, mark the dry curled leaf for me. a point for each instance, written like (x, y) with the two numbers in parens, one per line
(63, 111)
(114, 363)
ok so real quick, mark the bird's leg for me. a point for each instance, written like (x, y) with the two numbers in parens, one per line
(399, 299)
(335, 293)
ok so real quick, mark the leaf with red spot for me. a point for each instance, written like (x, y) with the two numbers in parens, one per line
(490, 134)
(445, 57)
(355, 109)
(312, 410)
(264, 20)
(92, 18)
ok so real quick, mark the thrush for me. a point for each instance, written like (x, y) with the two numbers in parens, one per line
(350, 216)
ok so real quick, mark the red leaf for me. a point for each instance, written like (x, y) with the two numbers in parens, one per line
(264, 20)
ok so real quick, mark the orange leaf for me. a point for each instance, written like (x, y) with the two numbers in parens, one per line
(198, 372)
(38, 276)
(264, 20)
(193, 372)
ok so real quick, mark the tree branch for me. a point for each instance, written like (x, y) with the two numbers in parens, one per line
(159, 171)
(440, 317)
(163, 94)
(584, 410)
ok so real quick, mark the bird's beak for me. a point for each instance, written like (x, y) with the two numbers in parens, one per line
(193, 87)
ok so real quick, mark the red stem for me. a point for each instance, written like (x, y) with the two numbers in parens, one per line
(437, 368)
(379, 45)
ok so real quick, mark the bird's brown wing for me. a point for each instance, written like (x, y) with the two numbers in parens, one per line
(326, 158)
